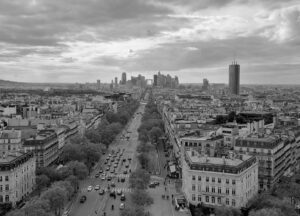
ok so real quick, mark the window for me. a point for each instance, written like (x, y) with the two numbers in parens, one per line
(193, 197)
(207, 189)
(213, 199)
(6, 178)
(233, 181)
(219, 200)
(227, 190)
(193, 178)
(233, 191)
(1, 188)
(207, 179)
(213, 179)
(199, 178)
(193, 187)
(213, 190)
(206, 198)
(227, 201)
(219, 180)
(6, 198)
(1, 199)
(227, 181)
(0, 178)
(199, 198)
(219, 190)
(233, 202)
(199, 188)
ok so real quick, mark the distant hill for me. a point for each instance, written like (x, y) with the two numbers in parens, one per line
(21, 85)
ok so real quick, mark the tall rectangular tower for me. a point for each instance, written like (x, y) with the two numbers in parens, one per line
(234, 78)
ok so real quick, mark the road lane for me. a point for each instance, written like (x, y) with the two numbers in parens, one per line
(96, 204)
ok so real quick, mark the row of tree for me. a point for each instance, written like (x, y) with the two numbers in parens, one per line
(151, 129)
(54, 188)
(112, 124)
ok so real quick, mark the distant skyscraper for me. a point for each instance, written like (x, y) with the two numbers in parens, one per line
(124, 79)
(98, 84)
(234, 78)
(205, 84)
(176, 81)
(155, 77)
(116, 81)
(112, 84)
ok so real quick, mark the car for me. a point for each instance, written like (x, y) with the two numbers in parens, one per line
(109, 155)
(156, 183)
(129, 159)
(152, 185)
(97, 187)
(97, 175)
(123, 179)
(101, 192)
(112, 193)
(105, 162)
(123, 198)
(90, 188)
(66, 213)
(125, 172)
(103, 177)
(127, 165)
(113, 184)
(82, 199)
(100, 171)
(107, 169)
(122, 206)
(112, 171)
(124, 160)
(108, 178)
(115, 165)
(119, 192)
(112, 160)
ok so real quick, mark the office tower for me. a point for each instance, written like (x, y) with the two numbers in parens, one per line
(112, 84)
(205, 84)
(155, 80)
(234, 78)
(116, 81)
(124, 79)
(98, 84)
(176, 81)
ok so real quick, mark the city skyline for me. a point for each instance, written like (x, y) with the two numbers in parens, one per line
(83, 41)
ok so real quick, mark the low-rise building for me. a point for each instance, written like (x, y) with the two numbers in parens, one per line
(17, 176)
(10, 140)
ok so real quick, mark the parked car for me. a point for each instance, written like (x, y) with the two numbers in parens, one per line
(103, 177)
(123, 179)
(156, 183)
(112, 193)
(100, 171)
(82, 199)
(113, 184)
(125, 172)
(97, 175)
(97, 187)
(127, 165)
(108, 178)
(90, 188)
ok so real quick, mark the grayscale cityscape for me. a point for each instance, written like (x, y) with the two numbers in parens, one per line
(149, 108)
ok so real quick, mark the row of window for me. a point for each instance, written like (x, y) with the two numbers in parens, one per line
(5, 178)
(214, 200)
(6, 198)
(6, 187)
(213, 179)
(213, 190)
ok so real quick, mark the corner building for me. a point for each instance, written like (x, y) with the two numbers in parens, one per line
(213, 181)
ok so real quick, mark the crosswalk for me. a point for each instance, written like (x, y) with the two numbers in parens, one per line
(124, 190)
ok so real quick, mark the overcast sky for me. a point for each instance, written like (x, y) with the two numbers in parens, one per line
(86, 40)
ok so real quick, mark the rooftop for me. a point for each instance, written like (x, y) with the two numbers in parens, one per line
(217, 160)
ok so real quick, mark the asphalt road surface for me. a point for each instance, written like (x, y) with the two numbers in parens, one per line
(96, 204)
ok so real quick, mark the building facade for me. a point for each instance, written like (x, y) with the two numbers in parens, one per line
(215, 181)
(17, 177)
